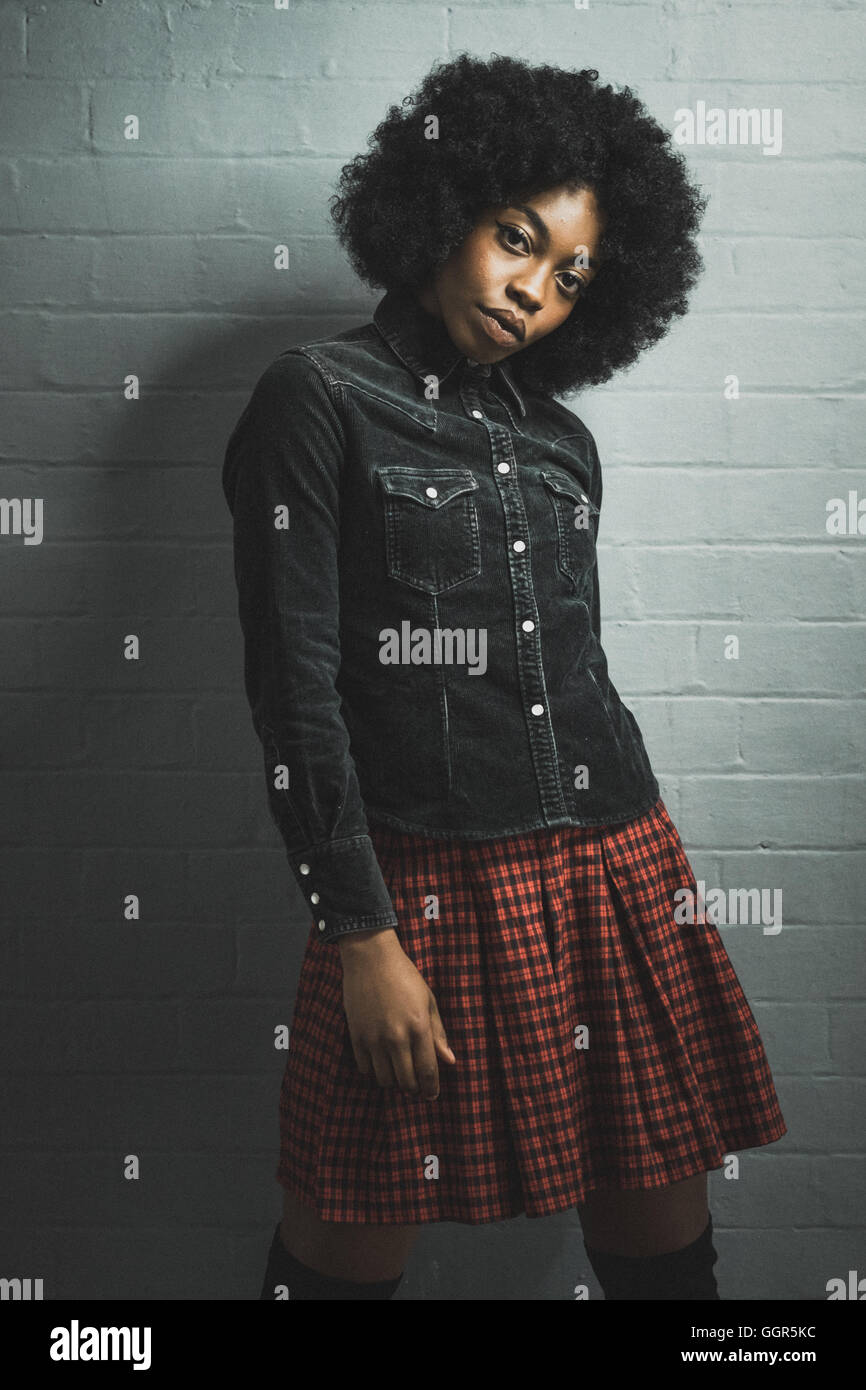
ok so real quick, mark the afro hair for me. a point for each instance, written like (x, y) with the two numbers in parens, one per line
(509, 129)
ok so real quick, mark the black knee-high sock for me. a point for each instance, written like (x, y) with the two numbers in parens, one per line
(285, 1272)
(685, 1274)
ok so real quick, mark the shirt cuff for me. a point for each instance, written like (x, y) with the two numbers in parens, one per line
(343, 883)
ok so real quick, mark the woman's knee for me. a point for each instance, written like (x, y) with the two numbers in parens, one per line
(345, 1249)
(646, 1221)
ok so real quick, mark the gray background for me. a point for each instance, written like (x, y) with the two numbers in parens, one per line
(155, 257)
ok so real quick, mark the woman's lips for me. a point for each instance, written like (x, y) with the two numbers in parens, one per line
(495, 330)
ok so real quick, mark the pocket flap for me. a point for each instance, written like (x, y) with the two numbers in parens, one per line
(566, 486)
(432, 487)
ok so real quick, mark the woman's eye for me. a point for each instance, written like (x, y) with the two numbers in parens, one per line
(506, 228)
(575, 287)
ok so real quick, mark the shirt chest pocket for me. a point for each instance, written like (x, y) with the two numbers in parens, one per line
(431, 527)
(575, 518)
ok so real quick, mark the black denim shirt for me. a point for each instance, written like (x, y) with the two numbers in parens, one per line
(415, 555)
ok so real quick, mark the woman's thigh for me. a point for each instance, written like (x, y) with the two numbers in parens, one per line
(367, 1253)
(646, 1222)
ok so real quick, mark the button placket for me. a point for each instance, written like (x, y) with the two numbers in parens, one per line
(527, 625)
(485, 398)
(469, 392)
(529, 665)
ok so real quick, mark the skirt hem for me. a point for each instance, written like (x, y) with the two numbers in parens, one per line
(506, 1211)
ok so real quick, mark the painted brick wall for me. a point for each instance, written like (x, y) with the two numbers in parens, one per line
(154, 257)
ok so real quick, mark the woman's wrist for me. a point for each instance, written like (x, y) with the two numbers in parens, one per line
(366, 942)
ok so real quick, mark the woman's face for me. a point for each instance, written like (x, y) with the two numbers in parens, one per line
(530, 259)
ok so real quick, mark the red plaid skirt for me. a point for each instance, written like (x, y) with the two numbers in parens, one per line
(599, 1044)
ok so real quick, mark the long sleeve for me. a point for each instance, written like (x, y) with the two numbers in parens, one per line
(595, 497)
(596, 604)
(281, 478)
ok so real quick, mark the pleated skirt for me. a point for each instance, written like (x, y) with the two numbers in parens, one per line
(600, 1042)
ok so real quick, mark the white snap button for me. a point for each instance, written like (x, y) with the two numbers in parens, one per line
(477, 415)
(431, 492)
(504, 467)
(321, 926)
(538, 709)
(519, 545)
(304, 868)
(314, 897)
(528, 625)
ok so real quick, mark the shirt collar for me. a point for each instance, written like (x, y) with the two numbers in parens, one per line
(422, 342)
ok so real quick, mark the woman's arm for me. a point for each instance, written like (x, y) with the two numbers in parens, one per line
(281, 478)
(595, 491)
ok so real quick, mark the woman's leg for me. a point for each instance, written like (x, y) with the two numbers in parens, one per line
(366, 1253)
(652, 1245)
(651, 1222)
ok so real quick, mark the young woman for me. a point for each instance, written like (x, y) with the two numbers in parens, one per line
(510, 999)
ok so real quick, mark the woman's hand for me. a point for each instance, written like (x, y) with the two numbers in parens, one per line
(392, 1015)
